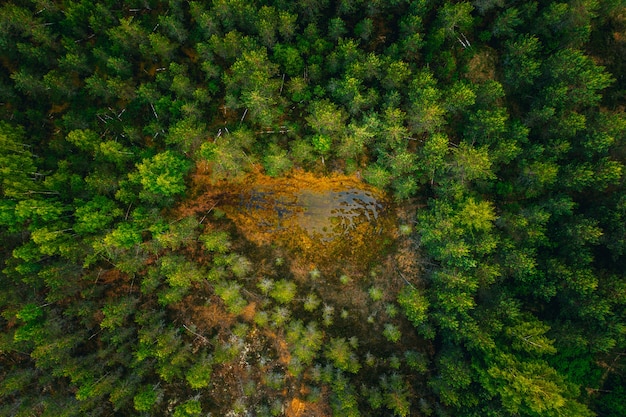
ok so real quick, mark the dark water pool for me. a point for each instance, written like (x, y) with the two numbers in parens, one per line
(324, 214)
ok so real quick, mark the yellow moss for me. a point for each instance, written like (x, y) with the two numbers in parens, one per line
(317, 218)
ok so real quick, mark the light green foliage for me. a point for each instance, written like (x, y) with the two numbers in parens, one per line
(116, 312)
(276, 161)
(357, 137)
(532, 388)
(304, 342)
(96, 215)
(32, 332)
(298, 89)
(199, 375)
(52, 241)
(229, 154)
(540, 175)
(38, 212)
(287, 24)
(455, 16)
(280, 316)
(86, 391)
(393, 128)
(113, 151)
(265, 285)
(326, 118)
(599, 176)
(187, 134)
(322, 143)
(487, 126)
(394, 362)
(302, 152)
(191, 408)
(344, 400)
(240, 266)
(178, 234)
(7, 215)
(373, 396)
(568, 125)
(396, 395)
(163, 175)
(17, 164)
(460, 96)
(581, 79)
(401, 163)
(29, 313)
(231, 294)
(477, 216)
(311, 302)
(251, 84)
(216, 241)
(416, 361)
(252, 71)
(261, 108)
(397, 75)
(433, 155)
(405, 229)
(267, 20)
(315, 274)
(378, 176)
(375, 293)
(261, 318)
(85, 140)
(283, 291)
(471, 163)
(391, 310)
(327, 315)
(274, 380)
(160, 46)
(180, 272)
(342, 356)
(392, 333)
(427, 110)
(455, 291)
(529, 336)
(454, 377)
(404, 187)
(145, 399)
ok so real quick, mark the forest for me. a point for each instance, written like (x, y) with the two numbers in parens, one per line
(313, 208)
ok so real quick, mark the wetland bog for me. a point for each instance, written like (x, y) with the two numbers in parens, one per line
(314, 219)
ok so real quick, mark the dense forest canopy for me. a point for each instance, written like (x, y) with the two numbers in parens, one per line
(495, 129)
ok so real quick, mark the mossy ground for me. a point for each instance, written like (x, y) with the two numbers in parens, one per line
(354, 275)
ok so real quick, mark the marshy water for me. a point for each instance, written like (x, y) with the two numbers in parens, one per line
(335, 217)
(322, 214)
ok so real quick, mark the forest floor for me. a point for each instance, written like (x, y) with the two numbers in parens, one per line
(355, 256)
